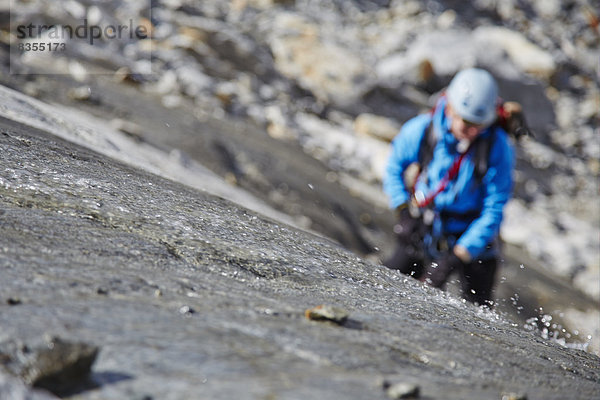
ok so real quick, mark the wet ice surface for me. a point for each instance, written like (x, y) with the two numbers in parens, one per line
(188, 295)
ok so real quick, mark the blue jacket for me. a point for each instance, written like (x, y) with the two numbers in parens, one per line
(466, 194)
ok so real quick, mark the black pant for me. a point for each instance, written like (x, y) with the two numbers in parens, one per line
(476, 278)
(408, 258)
(409, 255)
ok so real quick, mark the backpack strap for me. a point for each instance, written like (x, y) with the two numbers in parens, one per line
(481, 154)
(482, 149)
(426, 147)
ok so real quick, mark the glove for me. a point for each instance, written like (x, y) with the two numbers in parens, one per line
(437, 273)
(408, 228)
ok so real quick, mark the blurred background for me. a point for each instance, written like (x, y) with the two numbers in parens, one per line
(288, 107)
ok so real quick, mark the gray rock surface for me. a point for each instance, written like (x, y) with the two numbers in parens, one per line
(291, 103)
(304, 71)
(190, 296)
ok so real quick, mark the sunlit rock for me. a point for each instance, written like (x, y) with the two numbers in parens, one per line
(327, 69)
(524, 54)
(376, 126)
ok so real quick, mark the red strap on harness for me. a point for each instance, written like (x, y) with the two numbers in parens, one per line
(452, 173)
(503, 115)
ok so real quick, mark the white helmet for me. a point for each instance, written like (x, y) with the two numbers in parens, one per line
(473, 93)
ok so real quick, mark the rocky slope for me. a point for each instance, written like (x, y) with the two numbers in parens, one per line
(294, 102)
(338, 78)
(177, 294)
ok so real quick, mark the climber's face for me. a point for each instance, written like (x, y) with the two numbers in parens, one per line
(461, 128)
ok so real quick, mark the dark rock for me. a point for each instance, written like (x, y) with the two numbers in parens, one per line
(102, 291)
(13, 301)
(56, 365)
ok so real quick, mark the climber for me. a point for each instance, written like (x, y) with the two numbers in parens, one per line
(448, 178)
